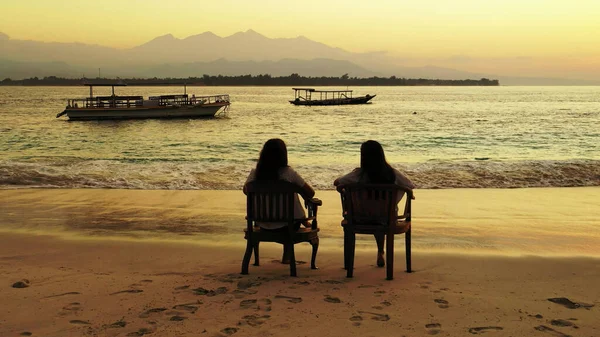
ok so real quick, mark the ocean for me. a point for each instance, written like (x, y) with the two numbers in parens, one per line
(469, 150)
(441, 137)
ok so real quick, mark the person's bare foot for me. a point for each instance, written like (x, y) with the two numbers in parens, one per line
(380, 260)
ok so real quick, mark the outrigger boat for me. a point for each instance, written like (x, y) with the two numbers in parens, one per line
(134, 107)
(310, 96)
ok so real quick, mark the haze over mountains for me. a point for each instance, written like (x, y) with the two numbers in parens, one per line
(239, 54)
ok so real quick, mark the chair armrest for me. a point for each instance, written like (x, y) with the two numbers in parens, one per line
(314, 201)
(312, 206)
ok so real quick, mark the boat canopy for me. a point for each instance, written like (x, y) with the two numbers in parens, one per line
(315, 90)
(308, 94)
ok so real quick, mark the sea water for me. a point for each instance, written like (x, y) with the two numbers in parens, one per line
(453, 138)
(441, 137)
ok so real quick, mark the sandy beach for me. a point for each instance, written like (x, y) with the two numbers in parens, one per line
(82, 276)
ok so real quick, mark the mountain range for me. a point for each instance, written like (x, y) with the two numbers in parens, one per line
(238, 54)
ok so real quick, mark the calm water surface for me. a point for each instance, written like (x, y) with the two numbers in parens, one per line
(441, 137)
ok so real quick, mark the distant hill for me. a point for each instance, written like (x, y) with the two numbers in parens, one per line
(241, 53)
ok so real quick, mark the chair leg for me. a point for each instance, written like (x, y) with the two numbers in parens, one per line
(408, 252)
(380, 239)
(256, 258)
(315, 248)
(247, 256)
(351, 250)
(292, 259)
(346, 249)
(285, 258)
(390, 256)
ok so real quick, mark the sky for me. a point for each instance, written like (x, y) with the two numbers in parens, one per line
(559, 36)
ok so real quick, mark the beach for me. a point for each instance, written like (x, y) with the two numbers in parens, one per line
(132, 228)
(503, 262)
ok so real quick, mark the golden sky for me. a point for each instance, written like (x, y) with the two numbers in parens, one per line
(553, 31)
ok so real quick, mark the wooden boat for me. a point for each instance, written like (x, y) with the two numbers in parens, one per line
(310, 96)
(136, 107)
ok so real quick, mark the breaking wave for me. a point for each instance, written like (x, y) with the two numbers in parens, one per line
(79, 173)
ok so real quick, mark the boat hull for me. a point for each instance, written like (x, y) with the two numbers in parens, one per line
(196, 111)
(343, 101)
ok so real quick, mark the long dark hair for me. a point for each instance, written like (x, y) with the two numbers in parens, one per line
(273, 156)
(374, 165)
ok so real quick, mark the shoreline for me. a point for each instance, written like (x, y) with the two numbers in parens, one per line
(513, 222)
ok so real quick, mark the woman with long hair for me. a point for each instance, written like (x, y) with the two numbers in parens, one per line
(374, 169)
(273, 165)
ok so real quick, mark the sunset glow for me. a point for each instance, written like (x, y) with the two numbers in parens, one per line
(563, 35)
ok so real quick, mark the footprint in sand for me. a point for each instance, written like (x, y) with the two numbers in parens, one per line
(79, 322)
(210, 293)
(254, 320)
(177, 318)
(140, 332)
(25, 333)
(118, 324)
(189, 307)
(376, 316)
(483, 329)
(289, 298)
(332, 282)
(331, 299)
(229, 331)
(149, 312)
(433, 328)
(245, 284)
(243, 293)
(63, 294)
(567, 303)
(551, 331)
(128, 291)
(256, 304)
(70, 308)
(249, 304)
(538, 316)
(442, 303)
(182, 287)
(356, 320)
(563, 323)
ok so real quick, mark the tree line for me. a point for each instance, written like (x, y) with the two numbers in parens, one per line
(258, 80)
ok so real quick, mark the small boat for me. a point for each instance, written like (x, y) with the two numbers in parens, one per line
(310, 96)
(136, 107)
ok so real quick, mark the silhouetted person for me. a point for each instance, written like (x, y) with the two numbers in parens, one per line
(273, 165)
(374, 169)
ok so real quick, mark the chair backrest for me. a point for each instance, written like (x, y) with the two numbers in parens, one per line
(371, 204)
(271, 201)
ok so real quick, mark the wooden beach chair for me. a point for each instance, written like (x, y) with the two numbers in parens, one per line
(261, 196)
(371, 209)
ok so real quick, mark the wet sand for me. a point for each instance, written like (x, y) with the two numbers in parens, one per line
(474, 221)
